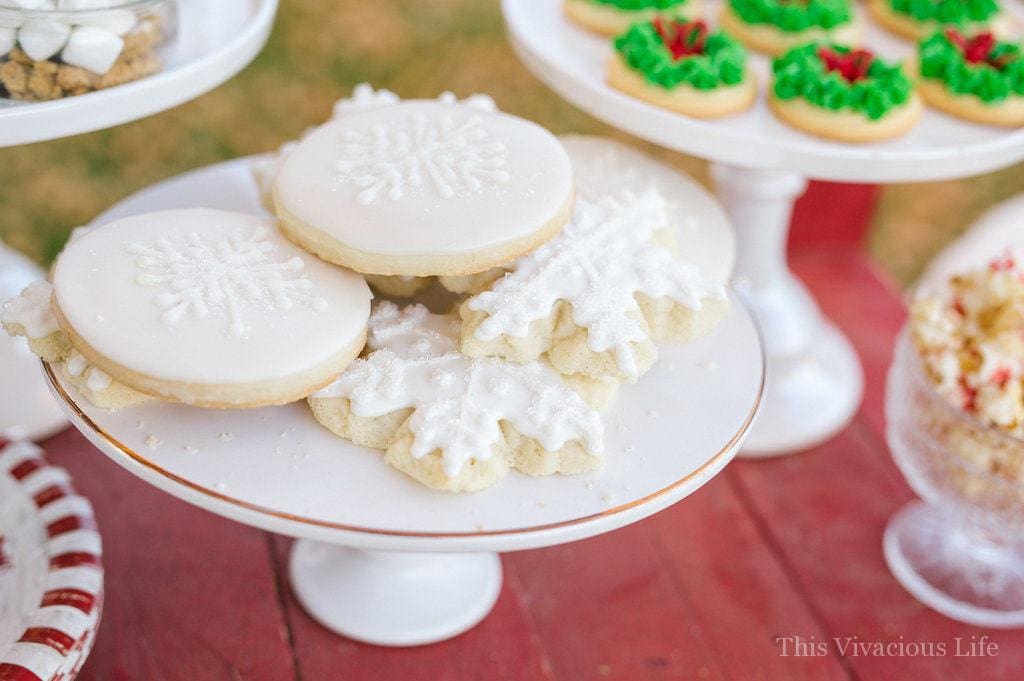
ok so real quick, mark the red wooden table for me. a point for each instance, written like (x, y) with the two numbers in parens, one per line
(707, 589)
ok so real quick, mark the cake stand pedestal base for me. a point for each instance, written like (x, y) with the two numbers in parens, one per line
(815, 381)
(27, 409)
(393, 598)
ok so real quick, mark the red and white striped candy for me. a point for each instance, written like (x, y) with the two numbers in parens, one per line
(59, 634)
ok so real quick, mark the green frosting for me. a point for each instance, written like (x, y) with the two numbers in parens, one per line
(640, 5)
(801, 73)
(722, 61)
(794, 16)
(1000, 76)
(947, 11)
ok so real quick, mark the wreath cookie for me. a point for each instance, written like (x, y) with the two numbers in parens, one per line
(980, 78)
(612, 17)
(683, 67)
(774, 26)
(843, 94)
(917, 19)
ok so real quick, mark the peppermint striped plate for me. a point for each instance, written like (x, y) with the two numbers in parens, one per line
(51, 573)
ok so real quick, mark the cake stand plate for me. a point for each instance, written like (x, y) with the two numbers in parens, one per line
(381, 558)
(215, 41)
(759, 166)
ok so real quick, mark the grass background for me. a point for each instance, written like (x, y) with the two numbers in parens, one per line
(318, 51)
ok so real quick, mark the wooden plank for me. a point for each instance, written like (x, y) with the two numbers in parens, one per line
(692, 592)
(189, 596)
(501, 648)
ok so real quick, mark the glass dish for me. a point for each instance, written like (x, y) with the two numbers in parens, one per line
(960, 550)
(51, 49)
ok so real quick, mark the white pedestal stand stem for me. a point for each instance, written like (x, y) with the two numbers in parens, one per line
(391, 598)
(26, 408)
(815, 381)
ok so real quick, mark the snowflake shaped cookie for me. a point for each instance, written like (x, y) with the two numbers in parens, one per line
(454, 154)
(603, 258)
(458, 404)
(201, 275)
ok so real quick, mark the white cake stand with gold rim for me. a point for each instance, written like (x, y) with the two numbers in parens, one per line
(760, 167)
(382, 559)
(215, 40)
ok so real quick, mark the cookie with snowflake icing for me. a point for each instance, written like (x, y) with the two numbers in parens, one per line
(206, 307)
(977, 77)
(775, 26)
(454, 422)
(612, 17)
(424, 188)
(842, 93)
(594, 300)
(916, 19)
(684, 67)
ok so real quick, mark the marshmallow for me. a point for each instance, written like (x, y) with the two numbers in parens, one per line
(10, 18)
(7, 40)
(43, 39)
(75, 5)
(116, 21)
(93, 49)
(33, 4)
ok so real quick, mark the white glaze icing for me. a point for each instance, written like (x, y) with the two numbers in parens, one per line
(425, 178)
(394, 161)
(198, 275)
(603, 167)
(458, 401)
(96, 379)
(223, 298)
(31, 309)
(600, 260)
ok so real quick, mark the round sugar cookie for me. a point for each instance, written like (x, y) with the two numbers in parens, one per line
(424, 188)
(209, 308)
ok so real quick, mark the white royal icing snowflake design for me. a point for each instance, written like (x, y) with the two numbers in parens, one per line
(453, 154)
(459, 401)
(601, 259)
(200, 275)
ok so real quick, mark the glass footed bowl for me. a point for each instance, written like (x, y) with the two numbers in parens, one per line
(960, 549)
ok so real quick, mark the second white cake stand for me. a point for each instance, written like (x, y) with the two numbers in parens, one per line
(382, 559)
(760, 165)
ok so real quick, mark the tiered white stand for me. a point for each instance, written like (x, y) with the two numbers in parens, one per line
(759, 166)
(380, 558)
(215, 41)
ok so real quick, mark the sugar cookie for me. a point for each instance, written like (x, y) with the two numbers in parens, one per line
(611, 17)
(915, 20)
(424, 188)
(978, 78)
(450, 421)
(208, 307)
(775, 26)
(683, 67)
(848, 95)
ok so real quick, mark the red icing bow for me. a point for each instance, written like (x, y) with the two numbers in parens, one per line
(977, 50)
(682, 39)
(852, 66)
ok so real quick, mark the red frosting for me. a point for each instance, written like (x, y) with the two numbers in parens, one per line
(852, 66)
(683, 39)
(975, 49)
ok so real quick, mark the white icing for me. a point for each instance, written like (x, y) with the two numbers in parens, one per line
(364, 98)
(31, 310)
(96, 379)
(225, 298)
(200, 275)
(458, 401)
(425, 178)
(600, 260)
(455, 158)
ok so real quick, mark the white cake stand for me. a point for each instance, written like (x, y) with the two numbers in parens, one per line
(760, 166)
(382, 559)
(215, 41)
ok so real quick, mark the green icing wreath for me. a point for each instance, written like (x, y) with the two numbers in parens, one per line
(719, 61)
(794, 16)
(991, 74)
(640, 5)
(947, 11)
(875, 91)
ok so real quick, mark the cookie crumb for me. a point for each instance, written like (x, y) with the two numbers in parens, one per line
(140, 425)
(189, 449)
(608, 497)
(222, 486)
(226, 437)
(652, 414)
(153, 441)
(708, 364)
